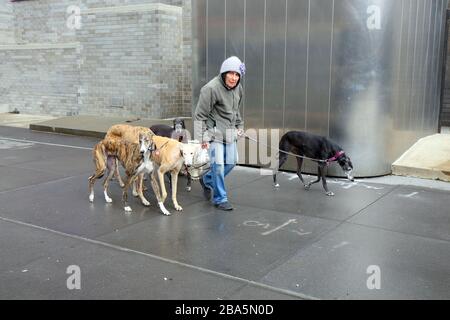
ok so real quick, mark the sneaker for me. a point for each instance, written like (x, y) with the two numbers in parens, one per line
(207, 191)
(226, 206)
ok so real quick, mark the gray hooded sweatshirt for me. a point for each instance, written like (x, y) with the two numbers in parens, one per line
(218, 112)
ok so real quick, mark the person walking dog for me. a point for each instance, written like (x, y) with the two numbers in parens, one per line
(217, 118)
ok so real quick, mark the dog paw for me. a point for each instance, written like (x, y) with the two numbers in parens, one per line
(188, 189)
(145, 203)
(329, 193)
(163, 209)
(178, 208)
(91, 198)
(135, 194)
(127, 209)
(276, 185)
(108, 199)
(122, 184)
(307, 186)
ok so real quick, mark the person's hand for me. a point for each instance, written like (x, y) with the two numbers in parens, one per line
(205, 145)
(206, 137)
(240, 133)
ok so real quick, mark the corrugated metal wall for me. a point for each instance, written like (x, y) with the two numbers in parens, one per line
(445, 107)
(365, 73)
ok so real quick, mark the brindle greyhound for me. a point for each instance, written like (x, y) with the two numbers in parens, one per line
(169, 156)
(135, 158)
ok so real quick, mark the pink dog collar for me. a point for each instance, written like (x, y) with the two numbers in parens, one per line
(336, 156)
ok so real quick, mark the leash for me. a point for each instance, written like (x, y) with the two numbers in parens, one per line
(293, 154)
(191, 168)
(156, 150)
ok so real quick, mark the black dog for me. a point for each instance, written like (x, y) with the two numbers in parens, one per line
(315, 147)
(178, 132)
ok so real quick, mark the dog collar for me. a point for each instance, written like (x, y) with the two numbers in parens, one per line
(336, 156)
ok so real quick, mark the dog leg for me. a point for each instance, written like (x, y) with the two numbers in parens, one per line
(319, 176)
(100, 168)
(282, 160)
(162, 185)
(140, 182)
(324, 183)
(189, 182)
(126, 207)
(117, 174)
(92, 179)
(98, 174)
(136, 188)
(169, 178)
(299, 170)
(157, 192)
(106, 183)
(174, 174)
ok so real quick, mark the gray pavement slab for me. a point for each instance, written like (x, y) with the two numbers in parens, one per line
(336, 266)
(13, 178)
(105, 272)
(21, 245)
(411, 210)
(67, 165)
(47, 137)
(14, 153)
(64, 206)
(244, 243)
(292, 197)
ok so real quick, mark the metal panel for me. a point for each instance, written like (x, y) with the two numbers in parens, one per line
(275, 34)
(440, 58)
(216, 37)
(254, 55)
(319, 55)
(416, 107)
(199, 47)
(296, 62)
(322, 66)
(425, 74)
(235, 28)
(362, 81)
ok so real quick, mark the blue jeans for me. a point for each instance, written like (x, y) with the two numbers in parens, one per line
(223, 158)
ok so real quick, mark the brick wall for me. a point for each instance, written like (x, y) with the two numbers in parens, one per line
(128, 58)
(187, 58)
(6, 22)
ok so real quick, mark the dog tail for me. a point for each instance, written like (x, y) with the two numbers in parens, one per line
(115, 131)
(99, 157)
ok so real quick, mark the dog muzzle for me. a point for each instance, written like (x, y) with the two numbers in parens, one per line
(178, 128)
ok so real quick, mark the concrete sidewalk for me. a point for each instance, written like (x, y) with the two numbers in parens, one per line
(22, 120)
(278, 243)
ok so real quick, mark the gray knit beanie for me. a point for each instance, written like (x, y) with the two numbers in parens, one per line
(233, 64)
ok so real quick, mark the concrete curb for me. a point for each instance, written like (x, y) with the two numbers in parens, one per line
(428, 158)
(75, 132)
(94, 126)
